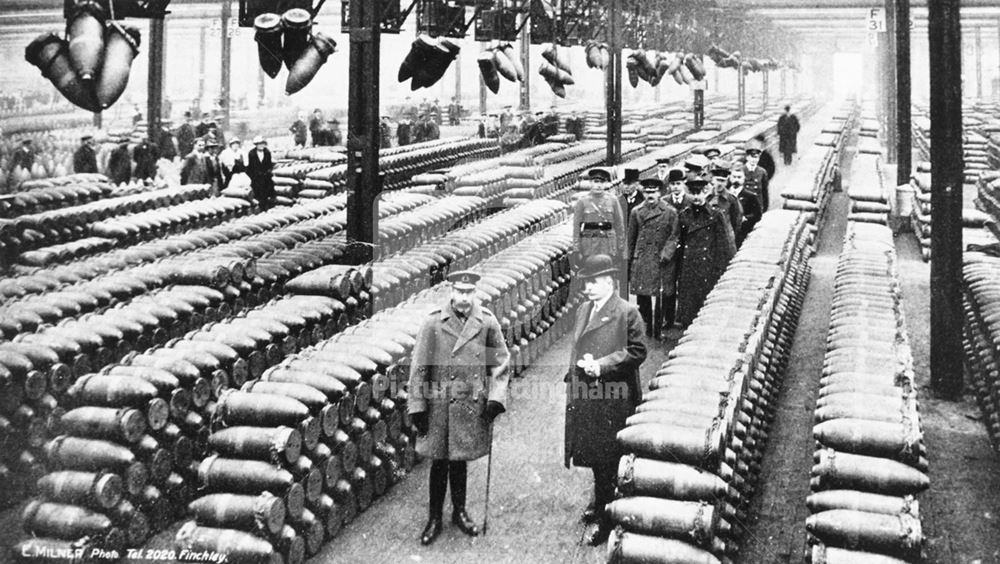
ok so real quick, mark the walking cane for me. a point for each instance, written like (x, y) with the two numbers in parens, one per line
(489, 472)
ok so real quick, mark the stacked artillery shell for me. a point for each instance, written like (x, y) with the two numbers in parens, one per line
(869, 198)
(977, 176)
(981, 277)
(425, 265)
(42, 228)
(319, 171)
(870, 453)
(695, 442)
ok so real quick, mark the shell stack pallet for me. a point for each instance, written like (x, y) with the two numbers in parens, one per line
(869, 461)
(981, 335)
(694, 444)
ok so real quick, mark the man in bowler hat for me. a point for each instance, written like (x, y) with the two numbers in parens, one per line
(602, 385)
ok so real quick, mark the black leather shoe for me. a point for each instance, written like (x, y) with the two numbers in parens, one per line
(461, 520)
(597, 534)
(431, 531)
(590, 515)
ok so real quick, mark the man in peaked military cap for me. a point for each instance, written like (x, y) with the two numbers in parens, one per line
(602, 385)
(720, 197)
(652, 242)
(458, 386)
(598, 221)
(706, 245)
(756, 178)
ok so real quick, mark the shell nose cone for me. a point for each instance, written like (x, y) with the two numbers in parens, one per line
(121, 47)
(86, 40)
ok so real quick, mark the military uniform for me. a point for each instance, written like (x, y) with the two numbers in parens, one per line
(599, 226)
(757, 183)
(706, 247)
(458, 385)
(652, 243)
(461, 365)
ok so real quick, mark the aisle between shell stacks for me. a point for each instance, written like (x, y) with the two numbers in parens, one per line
(534, 500)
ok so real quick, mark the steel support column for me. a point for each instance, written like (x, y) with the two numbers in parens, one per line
(457, 65)
(225, 77)
(699, 107)
(765, 86)
(154, 84)
(261, 86)
(741, 91)
(889, 75)
(979, 62)
(613, 86)
(482, 84)
(524, 88)
(364, 182)
(904, 130)
(202, 50)
(945, 49)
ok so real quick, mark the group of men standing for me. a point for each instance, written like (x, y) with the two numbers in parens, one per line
(675, 233)
(124, 163)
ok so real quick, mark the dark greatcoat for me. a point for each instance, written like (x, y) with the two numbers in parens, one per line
(652, 243)
(788, 131)
(120, 165)
(403, 133)
(614, 339)
(299, 130)
(259, 172)
(145, 156)
(85, 159)
(185, 139)
(195, 169)
(455, 370)
(757, 182)
(729, 205)
(752, 213)
(706, 247)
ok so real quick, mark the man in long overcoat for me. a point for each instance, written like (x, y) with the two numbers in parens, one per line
(678, 198)
(756, 178)
(725, 201)
(259, 165)
(458, 386)
(195, 168)
(749, 203)
(185, 136)
(652, 242)
(706, 245)
(146, 154)
(85, 158)
(788, 131)
(120, 164)
(602, 385)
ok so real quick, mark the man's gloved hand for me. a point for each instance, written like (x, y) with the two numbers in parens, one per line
(421, 422)
(493, 408)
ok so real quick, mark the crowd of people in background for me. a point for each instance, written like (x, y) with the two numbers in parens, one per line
(26, 101)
